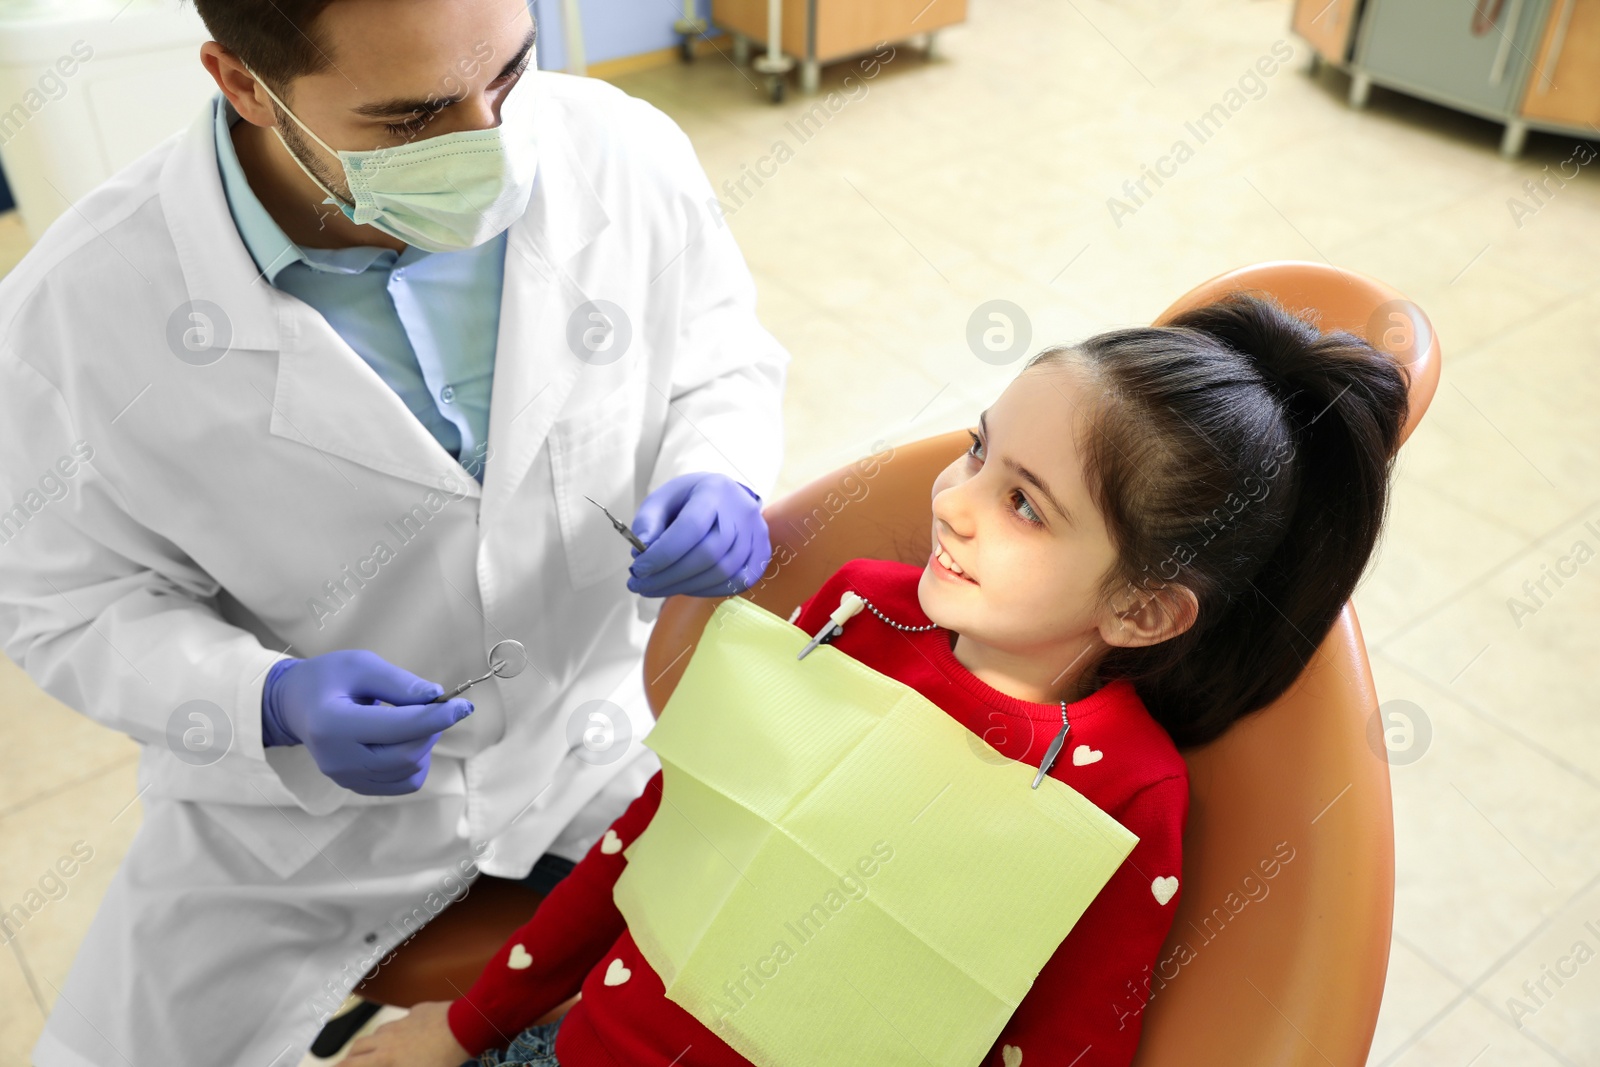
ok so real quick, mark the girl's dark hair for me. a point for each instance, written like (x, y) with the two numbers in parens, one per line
(1242, 453)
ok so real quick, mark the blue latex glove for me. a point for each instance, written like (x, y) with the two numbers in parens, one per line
(704, 536)
(329, 704)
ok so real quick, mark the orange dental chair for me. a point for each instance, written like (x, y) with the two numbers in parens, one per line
(1292, 978)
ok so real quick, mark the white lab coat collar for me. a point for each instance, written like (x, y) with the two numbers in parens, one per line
(316, 390)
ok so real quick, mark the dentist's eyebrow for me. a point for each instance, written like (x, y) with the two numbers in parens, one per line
(399, 106)
(1032, 478)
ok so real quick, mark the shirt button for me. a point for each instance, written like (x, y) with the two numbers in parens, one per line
(447, 394)
(400, 275)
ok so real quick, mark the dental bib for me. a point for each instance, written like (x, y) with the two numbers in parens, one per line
(836, 873)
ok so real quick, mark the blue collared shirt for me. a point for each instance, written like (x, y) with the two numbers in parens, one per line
(426, 322)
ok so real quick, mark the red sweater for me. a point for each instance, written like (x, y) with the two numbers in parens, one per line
(1083, 1010)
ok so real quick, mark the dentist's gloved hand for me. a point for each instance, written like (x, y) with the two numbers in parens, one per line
(704, 535)
(329, 704)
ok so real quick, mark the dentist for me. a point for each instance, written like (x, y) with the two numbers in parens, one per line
(298, 414)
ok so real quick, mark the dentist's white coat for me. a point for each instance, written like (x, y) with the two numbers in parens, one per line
(223, 501)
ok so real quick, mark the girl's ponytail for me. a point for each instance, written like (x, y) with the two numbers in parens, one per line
(1246, 455)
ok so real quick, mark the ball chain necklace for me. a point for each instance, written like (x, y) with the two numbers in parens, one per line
(851, 604)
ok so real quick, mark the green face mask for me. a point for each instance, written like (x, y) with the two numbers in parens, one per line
(444, 193)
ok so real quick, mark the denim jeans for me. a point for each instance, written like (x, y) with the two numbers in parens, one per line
(534, 1047)
(547, 871)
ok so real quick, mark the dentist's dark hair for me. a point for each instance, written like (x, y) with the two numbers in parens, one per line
(1245, 454)
(278, 40)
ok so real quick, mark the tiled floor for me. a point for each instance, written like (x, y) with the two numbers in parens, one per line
(935, 186)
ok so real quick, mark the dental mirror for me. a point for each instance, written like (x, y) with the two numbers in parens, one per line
(507, 659)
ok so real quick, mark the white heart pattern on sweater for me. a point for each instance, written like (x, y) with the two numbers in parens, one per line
(611, 844)
(519, 959)
(1163, 888)
(1084, 755)
(617, 973)
(1012, 1055)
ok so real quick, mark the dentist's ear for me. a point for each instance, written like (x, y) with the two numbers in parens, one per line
(1149, 616)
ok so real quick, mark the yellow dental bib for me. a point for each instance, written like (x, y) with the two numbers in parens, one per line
(836, 875)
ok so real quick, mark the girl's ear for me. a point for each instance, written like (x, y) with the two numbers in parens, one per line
(1150, 616)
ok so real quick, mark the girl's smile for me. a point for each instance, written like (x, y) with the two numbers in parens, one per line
(944, 565)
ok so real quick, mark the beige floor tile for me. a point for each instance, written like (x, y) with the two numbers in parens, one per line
(1413, 993)
(1506, 436)
(1490, 834)
(1523, 661)
(84, 830)
(14, 242)
(1470, 1035)
(21, 1014)
(1550, 987)
(45, 745)
(1432, 548)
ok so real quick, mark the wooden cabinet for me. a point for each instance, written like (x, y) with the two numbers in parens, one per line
(822, 31)
(1328, 26)
(1564, 84)
(826, 30)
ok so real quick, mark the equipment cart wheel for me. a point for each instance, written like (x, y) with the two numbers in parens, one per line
(775, 87)
(690, 28)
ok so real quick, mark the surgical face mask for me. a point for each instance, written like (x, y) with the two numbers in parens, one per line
(443, 193)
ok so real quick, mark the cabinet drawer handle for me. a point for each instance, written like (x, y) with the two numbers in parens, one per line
(1504, 52)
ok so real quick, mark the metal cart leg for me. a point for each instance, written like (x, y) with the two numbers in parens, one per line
(690, 26)
(930, 50)
(741, 49)
(1360, 86)
(1512, 140)
(810, 75)
(774, 64)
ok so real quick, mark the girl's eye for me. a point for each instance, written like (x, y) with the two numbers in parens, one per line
(1025, 509)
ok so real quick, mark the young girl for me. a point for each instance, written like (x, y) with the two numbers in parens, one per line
(1150, 535)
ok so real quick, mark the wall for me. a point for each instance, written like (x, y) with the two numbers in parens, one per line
(612, 29)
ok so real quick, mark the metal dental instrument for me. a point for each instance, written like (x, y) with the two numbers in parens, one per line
(507, 659)
(849, 606)
(621, 527)
(1054, 750)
